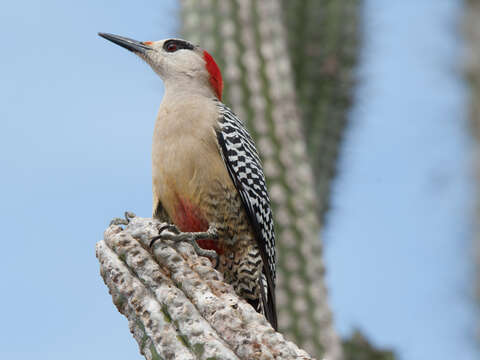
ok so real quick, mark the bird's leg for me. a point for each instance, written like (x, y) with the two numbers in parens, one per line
(123, 221)
(171, 232)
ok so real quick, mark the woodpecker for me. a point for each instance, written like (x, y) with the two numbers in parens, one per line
(206, 171)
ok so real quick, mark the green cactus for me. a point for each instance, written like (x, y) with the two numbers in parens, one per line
(287, 68)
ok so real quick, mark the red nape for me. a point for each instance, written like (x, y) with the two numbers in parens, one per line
(216, 80)
(189, 219)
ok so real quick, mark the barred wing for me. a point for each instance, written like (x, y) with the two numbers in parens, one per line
(245, 168)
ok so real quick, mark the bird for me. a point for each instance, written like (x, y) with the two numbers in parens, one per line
(206, 170)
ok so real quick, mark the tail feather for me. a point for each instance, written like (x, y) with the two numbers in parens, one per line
(268, 302)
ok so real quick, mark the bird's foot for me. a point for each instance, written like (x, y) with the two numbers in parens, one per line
(171, 232)
(123, 221)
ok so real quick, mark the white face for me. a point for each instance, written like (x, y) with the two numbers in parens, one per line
(175, 58)
(180, 64)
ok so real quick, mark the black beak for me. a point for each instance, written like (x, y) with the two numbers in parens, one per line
(129, 44)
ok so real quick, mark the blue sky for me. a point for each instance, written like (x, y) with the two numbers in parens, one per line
(77, 117)
(399, 240)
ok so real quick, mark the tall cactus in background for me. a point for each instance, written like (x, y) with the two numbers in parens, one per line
(248, 39)
(323, 38)
(291, 81)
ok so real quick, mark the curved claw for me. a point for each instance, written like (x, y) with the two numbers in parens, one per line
(164, 227)
(129, 215)
(168, 227)
(211, 254)
(152, 241)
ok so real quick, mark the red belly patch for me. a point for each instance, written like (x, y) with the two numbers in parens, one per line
(188, 218)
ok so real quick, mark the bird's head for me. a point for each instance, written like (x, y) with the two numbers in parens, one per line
(179, 63)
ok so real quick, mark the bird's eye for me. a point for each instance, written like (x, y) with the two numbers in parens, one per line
(171, 47)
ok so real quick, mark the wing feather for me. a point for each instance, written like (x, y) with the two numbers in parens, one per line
(244, 166)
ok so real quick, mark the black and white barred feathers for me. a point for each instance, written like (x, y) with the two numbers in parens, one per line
(245, 168)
